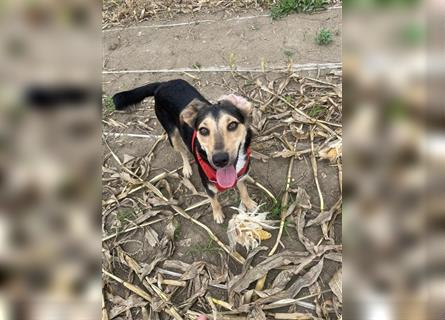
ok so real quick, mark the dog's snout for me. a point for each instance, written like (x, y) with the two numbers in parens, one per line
(220, 159)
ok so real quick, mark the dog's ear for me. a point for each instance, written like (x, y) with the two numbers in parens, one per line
(239, 102)
(188, 115)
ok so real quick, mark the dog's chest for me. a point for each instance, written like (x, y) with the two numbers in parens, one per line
(242, 158)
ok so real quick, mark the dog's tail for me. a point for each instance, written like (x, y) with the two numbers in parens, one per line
(124, 99)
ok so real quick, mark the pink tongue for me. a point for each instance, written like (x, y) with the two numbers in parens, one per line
(226, 177)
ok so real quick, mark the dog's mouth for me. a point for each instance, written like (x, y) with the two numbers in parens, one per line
(226, 177)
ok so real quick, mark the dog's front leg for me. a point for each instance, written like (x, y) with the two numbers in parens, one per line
(244, 194)
(218, 214)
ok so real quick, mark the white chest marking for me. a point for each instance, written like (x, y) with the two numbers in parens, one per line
(242, 158)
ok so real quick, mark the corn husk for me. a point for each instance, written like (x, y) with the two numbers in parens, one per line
(332, 151)
(248, 228)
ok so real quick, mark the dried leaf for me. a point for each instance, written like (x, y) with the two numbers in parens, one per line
(308, 279)
(256, 314)
(127, 158)
(176, 265)
(189, 185)
(300, 223)
(300, 118)
(303, 199)
(284, 154)
(151, 236)
(305, 281)
(241, 282)
(283, 278)
(334, 256)
(324, 217)
(122, 305)
(336, 285)
(293, 316)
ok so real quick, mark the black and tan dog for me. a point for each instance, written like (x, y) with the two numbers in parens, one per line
(217, 135)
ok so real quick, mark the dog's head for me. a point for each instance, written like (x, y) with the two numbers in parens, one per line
(221, 128)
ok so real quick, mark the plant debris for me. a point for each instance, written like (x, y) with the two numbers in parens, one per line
(247, 228)
(153, 265)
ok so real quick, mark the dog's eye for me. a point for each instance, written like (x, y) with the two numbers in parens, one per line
(232, 126)
(204, 131)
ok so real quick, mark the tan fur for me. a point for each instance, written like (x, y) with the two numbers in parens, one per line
(229, 141)
(188, 114)
(180, 147)
(218, 215)
(244, 194)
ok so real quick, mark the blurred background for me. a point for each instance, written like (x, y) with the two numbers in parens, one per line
(394, 208)
(394, 155)
(50, 64)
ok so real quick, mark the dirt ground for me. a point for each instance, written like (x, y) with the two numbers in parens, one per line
(168, 241)
(246, 43)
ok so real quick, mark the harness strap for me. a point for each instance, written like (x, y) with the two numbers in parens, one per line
(210, 172)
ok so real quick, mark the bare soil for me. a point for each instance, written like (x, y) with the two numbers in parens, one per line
(246, 43)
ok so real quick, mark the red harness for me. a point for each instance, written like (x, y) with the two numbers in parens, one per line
(210, 172)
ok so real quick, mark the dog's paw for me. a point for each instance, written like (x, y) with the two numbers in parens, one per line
(187, 170)
(250, 204)
(218, 217)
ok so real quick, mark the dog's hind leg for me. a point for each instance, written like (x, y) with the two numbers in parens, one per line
(179, 146)
(169, 126)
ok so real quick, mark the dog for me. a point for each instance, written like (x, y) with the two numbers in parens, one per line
(217, 135)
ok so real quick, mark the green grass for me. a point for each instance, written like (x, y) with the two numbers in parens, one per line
(288, 99)
(285, 228)
(232, 61)
(289, 54)
(108, 104)
(396, 110)
(196, 65)
(177, 232)
(275, 211)
(323, 37)
(413, 35)
(124, 216)
(275, 214)
(316, 111)
(285, 7)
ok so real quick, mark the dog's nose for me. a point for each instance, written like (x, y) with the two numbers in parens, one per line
(220, 159)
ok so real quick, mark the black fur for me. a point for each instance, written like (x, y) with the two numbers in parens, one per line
(123, 99)
(216, 109)
(171, 98)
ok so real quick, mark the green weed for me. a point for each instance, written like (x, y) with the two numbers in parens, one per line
(275, 211)
(197, 65)
(108, 104)
(289, 54)
(232, 61)
(125, 215)
(288, 99)
(285, 228)
(285, 7)
(323, 37)
(316, 111)
(177, 232)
